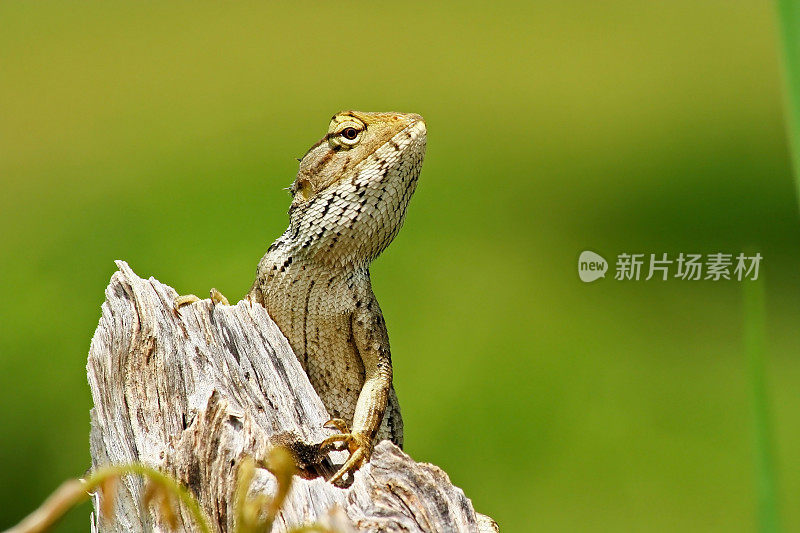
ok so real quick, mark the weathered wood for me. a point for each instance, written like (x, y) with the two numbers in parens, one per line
(195, 391)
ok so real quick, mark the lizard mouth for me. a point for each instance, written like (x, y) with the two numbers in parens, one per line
(414, 133)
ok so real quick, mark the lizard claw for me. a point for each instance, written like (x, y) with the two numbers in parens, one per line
(360, 450)
(337, 423)
(337, 441)
(216, 298)
(358, 443)
(186, 299)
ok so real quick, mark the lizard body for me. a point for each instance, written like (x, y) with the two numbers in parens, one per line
(349, 201)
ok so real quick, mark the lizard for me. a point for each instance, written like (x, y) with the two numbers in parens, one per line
(349, 201)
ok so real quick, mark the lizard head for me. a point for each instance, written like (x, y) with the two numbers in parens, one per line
(354, 184)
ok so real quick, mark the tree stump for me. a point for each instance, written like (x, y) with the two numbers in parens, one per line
(193, 392)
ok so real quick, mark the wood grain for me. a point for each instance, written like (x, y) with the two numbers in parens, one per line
(193, 392)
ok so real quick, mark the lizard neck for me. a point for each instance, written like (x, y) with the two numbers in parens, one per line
(287, 274)
(345, 229)
(294, 258)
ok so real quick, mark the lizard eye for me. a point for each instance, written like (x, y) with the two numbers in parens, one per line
(345, 132)
(350, 133)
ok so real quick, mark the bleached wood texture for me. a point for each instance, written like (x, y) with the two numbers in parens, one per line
(195, 391)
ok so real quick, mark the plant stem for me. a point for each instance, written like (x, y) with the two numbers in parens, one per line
(766, 485)
(73, 492)
(789, 23)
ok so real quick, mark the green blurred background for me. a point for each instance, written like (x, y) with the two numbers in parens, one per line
(163, 134)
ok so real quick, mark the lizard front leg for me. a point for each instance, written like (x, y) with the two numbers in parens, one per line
(372, 342)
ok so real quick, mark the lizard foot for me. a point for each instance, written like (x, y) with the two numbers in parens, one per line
(216, 298)
(358, 443)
